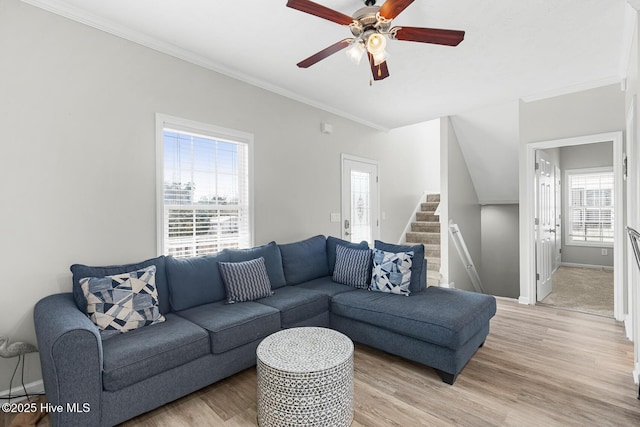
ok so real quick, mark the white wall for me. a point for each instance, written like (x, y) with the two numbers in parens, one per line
(459, 203)
(588, 112)
(581, 157)
(77, 168)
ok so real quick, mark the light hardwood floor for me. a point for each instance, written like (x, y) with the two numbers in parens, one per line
(539, 367)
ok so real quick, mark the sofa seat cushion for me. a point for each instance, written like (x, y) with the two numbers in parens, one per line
(446, 317)
(233, 325)
(327, 286)
(296, 304)
(140, 354)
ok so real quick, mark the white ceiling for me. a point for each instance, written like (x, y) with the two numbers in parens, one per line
(512, 49)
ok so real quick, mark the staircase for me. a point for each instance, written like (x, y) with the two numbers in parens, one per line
(426, 230)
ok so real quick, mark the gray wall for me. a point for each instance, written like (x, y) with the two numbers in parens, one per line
(579, 157)
(462, 208)
(78, 156)
(500, 270)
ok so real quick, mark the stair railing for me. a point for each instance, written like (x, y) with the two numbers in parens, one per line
(465, 256)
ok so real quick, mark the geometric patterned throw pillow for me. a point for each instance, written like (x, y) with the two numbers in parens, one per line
(246, 280)
(353, 266)
(391, 272)
(122, 302)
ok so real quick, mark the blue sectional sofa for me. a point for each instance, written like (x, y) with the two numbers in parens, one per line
(203, 339)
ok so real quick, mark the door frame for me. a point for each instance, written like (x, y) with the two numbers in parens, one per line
(528, 228)
(376, 230)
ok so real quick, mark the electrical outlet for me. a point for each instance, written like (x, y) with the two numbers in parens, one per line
(605, 252)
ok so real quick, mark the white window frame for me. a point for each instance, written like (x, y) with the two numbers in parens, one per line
(164, 121)
(568, 241)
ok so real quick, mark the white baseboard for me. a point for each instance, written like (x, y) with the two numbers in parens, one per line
(636, 374)
(595, 267)
(628, 327)
(524, 300)
(36, 387)
(506, 298)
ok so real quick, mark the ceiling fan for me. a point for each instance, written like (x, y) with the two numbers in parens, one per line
(371, 26)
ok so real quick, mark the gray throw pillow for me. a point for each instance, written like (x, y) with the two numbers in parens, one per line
(246, 280)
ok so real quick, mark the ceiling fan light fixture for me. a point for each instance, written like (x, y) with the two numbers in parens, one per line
(356, 51)
(376, 44)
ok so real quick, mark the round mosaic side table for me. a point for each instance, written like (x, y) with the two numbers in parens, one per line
(305, 378)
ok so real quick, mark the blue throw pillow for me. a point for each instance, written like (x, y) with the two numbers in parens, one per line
(391, 272)
(80, 271)
(333, 242)
(246, 280)
(122, 302)
(419, 263)
(352, 267)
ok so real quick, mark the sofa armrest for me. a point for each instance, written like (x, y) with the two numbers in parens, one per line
(71, 359)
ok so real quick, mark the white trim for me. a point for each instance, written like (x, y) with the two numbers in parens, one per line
(178, 123)
(636, 374)
(100, 23)
(566, 225)
(528, 238)
(628, 327)
(377, 230)
(36, 387)
(499, 202)
(523, 300)
(592, 266)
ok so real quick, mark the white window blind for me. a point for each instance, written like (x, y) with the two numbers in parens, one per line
(590, 205)
(205, 192)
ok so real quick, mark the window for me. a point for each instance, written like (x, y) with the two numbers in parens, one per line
(203, 188)
(590, 207)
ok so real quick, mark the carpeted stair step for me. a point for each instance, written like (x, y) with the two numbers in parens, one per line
(425, 227)
(425, 238)
(429, 206)
(433, 264)
(432, 251)
(427, 217)
(433, 278)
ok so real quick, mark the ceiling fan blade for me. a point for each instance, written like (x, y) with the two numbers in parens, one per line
(428, 35)
(320, 11)
(380, 71)
(392, 8)
(336, 47)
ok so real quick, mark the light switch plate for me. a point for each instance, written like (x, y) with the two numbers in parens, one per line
(335, 217)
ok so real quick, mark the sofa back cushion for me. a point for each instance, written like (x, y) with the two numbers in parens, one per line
(305, 260)
(272, 260)
(80, 271)
(332, 242)
(195, 280)
(418, 267)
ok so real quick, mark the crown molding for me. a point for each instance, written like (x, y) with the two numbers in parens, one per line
(634, 4)
(76, 14)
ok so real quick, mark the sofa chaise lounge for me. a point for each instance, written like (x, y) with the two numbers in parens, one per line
(204, 339)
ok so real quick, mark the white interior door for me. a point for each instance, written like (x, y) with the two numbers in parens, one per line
(558, 219)
(360, 220)
(545, 228)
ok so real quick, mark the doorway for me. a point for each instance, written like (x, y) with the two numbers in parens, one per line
(530, 295)
(360, 199)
